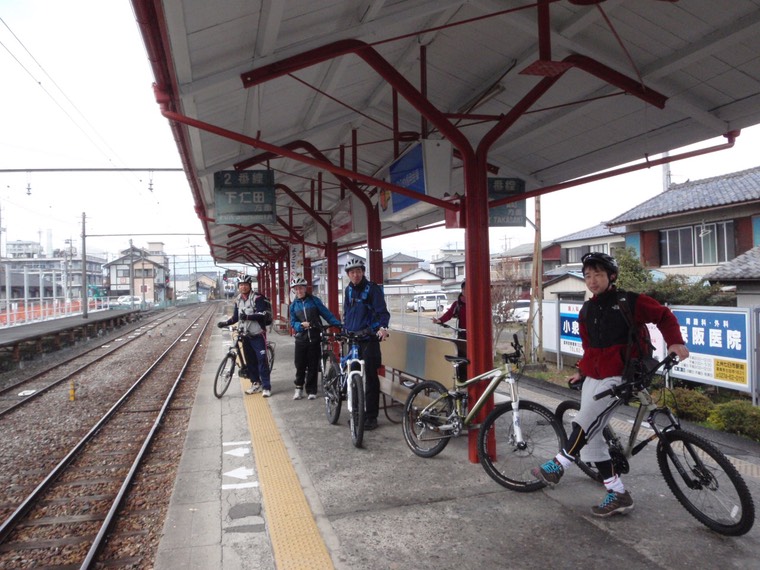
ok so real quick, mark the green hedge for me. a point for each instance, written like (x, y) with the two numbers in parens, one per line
(738, 416)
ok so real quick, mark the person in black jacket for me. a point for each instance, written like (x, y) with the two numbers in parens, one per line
(306, 314)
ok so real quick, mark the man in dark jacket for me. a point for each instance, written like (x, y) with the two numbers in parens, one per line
(364, 309)
(250, 316)
(306, 314)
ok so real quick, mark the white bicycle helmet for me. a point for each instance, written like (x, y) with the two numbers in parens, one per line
(246, 279)
(298, 281)
(354, 263)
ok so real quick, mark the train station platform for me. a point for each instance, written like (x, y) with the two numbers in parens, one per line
(269, 483)
(25, 341)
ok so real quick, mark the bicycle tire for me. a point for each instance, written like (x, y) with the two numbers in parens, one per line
(224, 375)
(720, 499)
(270, 355)
(422, 434)
(512, 462)
(356, 418)
(331, 391)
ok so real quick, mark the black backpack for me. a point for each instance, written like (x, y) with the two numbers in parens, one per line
(267, 310)
(636, 367)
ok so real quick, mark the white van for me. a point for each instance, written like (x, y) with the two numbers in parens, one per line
(428, 302)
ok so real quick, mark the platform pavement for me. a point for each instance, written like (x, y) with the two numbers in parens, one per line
(381, 507)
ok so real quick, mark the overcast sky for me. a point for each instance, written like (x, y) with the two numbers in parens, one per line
(77, 93)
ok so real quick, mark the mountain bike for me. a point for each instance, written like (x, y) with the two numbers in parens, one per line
(700, 476)
(235, 358)
(343, 379)
(519, 430)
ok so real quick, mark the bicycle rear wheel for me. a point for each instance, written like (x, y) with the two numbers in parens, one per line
(712, 490)
(356, 419)
(331, 391)
(427, 407)
(224, 375)
(542, 437)
(565, 414)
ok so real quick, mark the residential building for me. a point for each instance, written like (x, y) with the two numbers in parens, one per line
(398, 264)
(694, 227)
(140, 272)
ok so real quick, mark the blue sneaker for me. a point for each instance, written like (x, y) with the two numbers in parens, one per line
(550, 472)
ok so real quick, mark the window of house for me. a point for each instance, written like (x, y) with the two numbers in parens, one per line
(703, 244)
(575, 254)
(714, 243)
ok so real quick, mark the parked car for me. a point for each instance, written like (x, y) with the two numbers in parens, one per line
(428, 302)
(514, 312)
(129, 300)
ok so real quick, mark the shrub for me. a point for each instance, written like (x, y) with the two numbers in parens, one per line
(737, 416)
(686, 404)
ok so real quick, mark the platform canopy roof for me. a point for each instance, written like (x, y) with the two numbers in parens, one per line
(314, 88)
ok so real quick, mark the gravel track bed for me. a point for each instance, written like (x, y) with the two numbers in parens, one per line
(37, 436)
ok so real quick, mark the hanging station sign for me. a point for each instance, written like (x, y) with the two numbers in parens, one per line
(244, 197)
(512, 214)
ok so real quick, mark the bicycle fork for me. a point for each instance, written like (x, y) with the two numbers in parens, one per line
(349, 378)
(515, 396)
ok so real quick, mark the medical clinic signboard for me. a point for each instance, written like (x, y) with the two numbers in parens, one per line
(716, 338)
(718, 346)
(244, 197)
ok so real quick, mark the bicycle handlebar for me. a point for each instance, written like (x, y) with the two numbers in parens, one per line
(457, 329)
(666, 363)
(513, 357)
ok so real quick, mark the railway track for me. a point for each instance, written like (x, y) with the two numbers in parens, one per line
(65, 519)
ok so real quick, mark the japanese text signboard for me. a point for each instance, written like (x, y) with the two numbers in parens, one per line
(717, 340)
(245, 197)
(512, 214)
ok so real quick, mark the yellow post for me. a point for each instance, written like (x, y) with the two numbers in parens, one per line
(72, 391)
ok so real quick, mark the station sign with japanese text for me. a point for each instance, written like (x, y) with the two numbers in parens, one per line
(512, 214)
(244, 197)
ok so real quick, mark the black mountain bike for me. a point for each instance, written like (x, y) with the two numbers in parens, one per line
(234, 359)
(700, 476)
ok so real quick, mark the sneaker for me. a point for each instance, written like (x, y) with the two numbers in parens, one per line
(370, 424)
(550, 472)
(312, 397)
(614, 504)
(298, 394)
(266, 393)
(255, 387)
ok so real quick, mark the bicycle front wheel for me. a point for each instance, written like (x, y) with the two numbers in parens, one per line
(427, 408)
(513, 458)
(224, 375)
(711, 488)
(356, 419)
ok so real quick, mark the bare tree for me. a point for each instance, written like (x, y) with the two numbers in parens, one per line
(505, 290)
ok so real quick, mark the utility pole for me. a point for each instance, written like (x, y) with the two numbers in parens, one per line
(195, 266)
(84, 269)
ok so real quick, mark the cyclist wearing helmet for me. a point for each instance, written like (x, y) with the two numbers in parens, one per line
(249, 314)
(606, 334)
(306, 314)
(364, 309)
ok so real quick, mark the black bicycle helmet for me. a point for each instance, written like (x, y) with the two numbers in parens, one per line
(354, 263)
(606, 262)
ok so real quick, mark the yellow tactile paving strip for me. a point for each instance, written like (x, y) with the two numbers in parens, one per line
(296, 541)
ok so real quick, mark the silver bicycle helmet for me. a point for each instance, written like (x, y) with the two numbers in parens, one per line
(606, 262)
(354, 263)
(246, 279)
(298, 281)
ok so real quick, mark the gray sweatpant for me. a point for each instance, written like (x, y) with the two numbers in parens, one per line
(594, 416)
